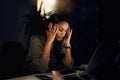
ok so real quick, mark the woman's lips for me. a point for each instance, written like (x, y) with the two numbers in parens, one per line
(60, 38)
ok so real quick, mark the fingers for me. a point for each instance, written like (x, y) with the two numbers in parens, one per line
(50, 25)
(47, 33)
(52, 29)
(55, 28)
(71, 31)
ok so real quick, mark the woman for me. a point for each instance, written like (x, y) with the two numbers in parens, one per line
(51, 51)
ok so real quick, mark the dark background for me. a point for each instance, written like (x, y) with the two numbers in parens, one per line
(83, 20)
(95, 25)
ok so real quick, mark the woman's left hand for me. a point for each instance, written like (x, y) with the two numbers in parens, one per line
(68, 37)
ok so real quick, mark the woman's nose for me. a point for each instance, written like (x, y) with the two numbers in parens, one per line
(62, 34)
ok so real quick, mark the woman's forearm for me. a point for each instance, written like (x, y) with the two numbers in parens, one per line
(68, 57)
(46, 52)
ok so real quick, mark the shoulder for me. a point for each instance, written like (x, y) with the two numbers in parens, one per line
(34, 37)
(37, 38)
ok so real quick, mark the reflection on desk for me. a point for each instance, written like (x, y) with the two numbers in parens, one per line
(56, 75)
(34, 77)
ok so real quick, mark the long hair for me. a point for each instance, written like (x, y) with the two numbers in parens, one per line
(56, 19)
(40, 24)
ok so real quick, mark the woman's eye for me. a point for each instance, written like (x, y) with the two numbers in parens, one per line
(60, 29)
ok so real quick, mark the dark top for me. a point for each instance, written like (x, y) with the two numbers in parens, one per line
(35, 62)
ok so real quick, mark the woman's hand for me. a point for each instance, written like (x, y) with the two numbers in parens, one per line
(68, 37)
(51, 33)
(68, 57)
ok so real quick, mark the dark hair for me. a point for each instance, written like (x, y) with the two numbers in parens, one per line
(40, 24)
(56, 18)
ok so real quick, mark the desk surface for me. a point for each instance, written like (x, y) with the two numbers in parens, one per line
(51, 75)
(31, 77)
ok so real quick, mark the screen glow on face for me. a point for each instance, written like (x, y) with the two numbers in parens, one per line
(62, 29)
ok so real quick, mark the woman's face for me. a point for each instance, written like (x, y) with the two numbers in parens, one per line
(62, 29)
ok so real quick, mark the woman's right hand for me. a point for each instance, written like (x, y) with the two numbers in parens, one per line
(51, 33)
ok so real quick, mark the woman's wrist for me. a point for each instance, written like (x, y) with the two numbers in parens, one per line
(48, 43)
(67, 45)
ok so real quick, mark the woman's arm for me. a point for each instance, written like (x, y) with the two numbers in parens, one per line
(68, 57)
(40, 53)
(50, 38)
(46, 52)
(68, 60)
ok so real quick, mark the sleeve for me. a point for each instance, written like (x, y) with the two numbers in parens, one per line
(35, 50)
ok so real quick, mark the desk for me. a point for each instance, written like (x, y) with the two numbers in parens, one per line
(31, 77)
(77, 74)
